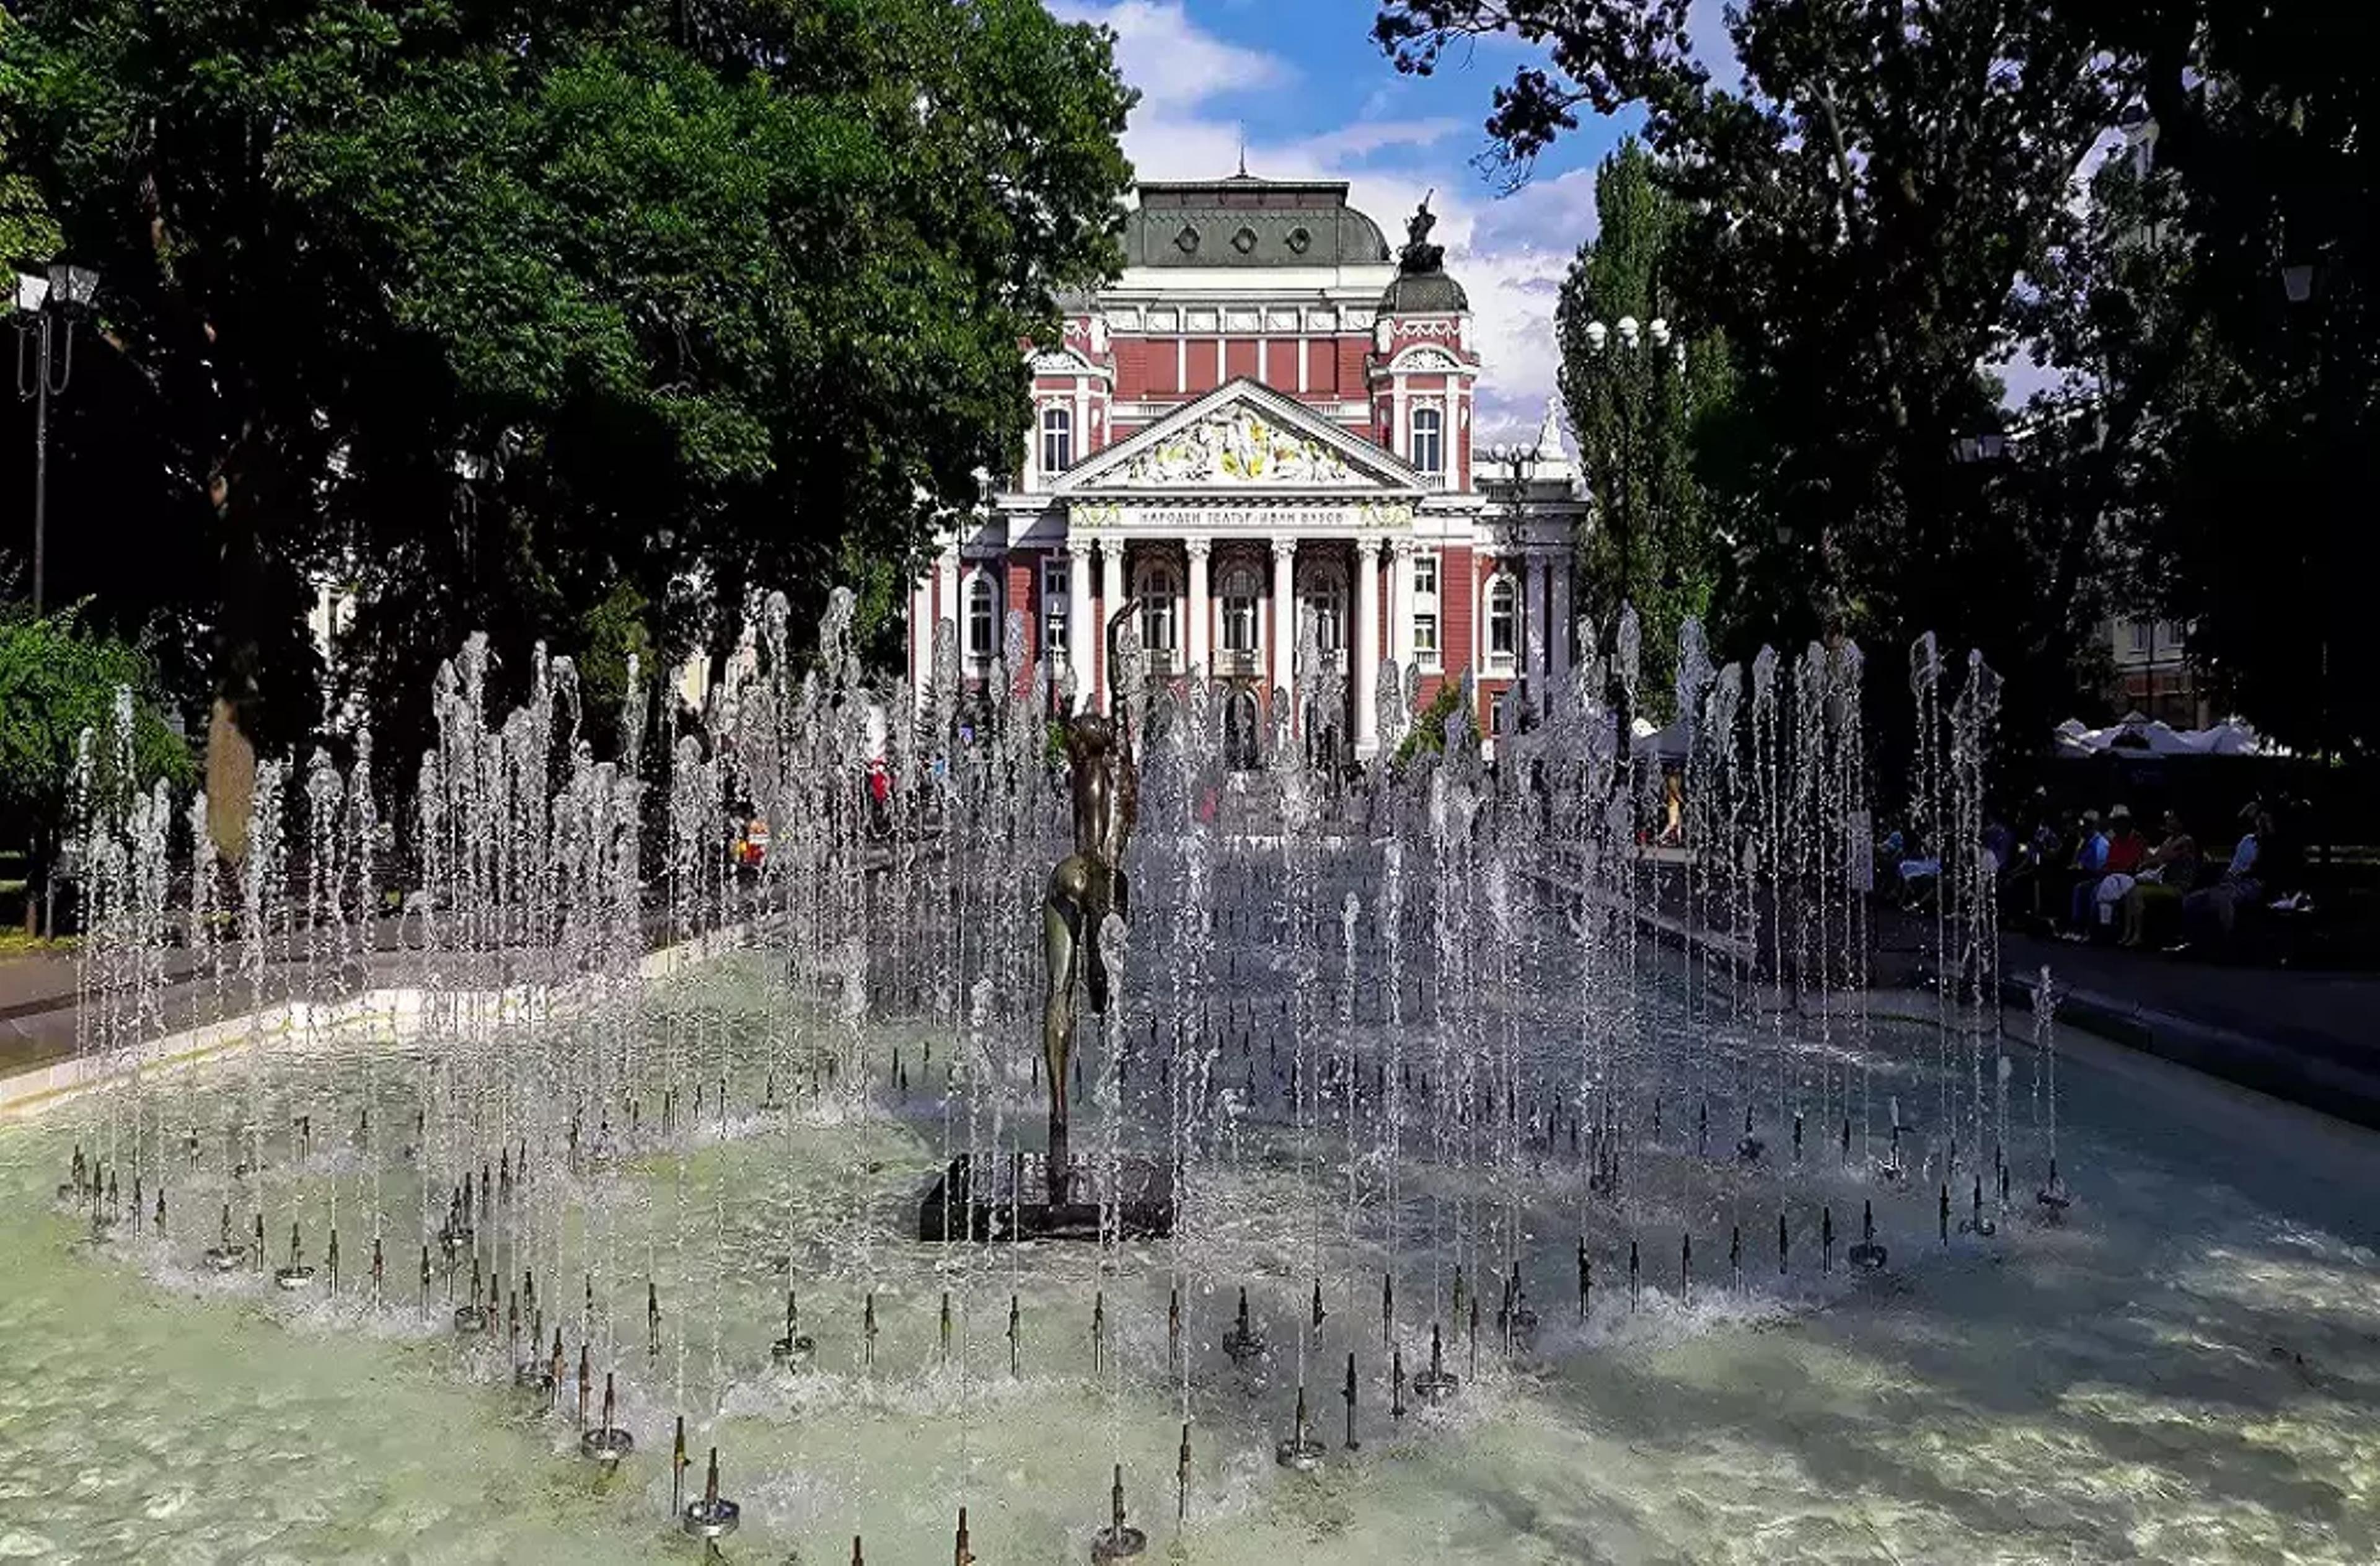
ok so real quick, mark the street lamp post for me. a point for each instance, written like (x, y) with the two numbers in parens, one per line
(46, 308)
(2300, 280)
(1629, 346)
(1519, 464)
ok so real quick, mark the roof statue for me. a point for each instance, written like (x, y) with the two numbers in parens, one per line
(1553, 452)
(1419, 254)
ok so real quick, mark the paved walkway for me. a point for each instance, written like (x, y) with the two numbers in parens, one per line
(39, 1016)
(2310, 1037)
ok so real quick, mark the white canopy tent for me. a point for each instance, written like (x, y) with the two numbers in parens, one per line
(2136, 736)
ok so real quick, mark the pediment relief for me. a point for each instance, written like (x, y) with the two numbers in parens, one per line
(1235, 447)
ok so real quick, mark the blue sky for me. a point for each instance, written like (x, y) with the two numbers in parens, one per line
(1315, 99)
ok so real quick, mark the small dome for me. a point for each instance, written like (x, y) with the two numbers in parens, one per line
(1424, 293)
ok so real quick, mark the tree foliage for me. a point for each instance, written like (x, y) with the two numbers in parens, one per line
(2263, 157)
(491, 307)
(1885, 201)
(59, 680)
(1642, 409)
(1865, 204)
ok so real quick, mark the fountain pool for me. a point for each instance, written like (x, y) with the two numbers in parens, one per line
(2187, 1367)
(1419, 1073)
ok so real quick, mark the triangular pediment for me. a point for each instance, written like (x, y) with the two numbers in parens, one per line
(1243, 438)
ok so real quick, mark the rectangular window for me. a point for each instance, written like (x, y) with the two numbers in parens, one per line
(1056, 601)
(1428, 443)
(1495, 717)
(1425, 651)
(1057, 440)
(2140, 635)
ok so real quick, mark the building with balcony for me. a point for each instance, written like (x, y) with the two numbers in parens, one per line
(2153, 673)
(1262, 433)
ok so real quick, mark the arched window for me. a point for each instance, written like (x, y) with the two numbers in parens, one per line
(1243, 595)
(1155, 587)
(982, 619)
(1056, 439)
(1243, 741)
(1429, 441)
(1503, 620)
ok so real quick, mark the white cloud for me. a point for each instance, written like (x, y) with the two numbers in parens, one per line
(1509, 253)
(1172, 60)
(1366, 137)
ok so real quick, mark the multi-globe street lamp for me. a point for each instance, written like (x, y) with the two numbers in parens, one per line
(1519, 464)
(1637, 353)
(47, 308)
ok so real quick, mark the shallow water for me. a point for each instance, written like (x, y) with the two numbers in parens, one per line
(2186, 1368)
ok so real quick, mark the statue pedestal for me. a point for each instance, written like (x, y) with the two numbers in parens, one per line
(994, 1198)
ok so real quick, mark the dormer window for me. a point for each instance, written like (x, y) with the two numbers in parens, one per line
(1428, 448)
(1056, 439)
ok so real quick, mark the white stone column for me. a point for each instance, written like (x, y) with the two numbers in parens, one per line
(921, 638)
(1284, 621)
(1533, 629)
(1558, 619)
(1110, 600)
(1080, 617)
(1198, 614)
(1401, 603)
(946, 603)
(1367, 645)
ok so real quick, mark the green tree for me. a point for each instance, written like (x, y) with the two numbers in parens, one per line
(2262, 157)
(1868, 206)
(1643, 400)
(57, 681)
(29, 239)
(492, 306)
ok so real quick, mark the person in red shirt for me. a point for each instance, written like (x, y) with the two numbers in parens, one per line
(2125, 846)
(2118, 873)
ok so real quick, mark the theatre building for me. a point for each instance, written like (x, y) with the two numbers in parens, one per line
(1264, 429)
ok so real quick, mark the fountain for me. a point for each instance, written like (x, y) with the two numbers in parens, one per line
(1372, 1033)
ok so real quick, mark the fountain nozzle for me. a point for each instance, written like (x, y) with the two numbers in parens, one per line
(713, 1517)
(607, 1443)
(1117, 1541)
(1867, 1255)
(1299, 1450)
(1244, 1343)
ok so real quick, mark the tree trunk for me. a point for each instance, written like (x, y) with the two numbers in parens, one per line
(231, 746)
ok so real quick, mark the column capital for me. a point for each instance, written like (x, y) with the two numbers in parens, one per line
(1284, 548)
(1197, 549)
(1369, 548)
(1401, 549)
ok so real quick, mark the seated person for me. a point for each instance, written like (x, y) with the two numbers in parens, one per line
(2166, 873)
(2038, 850)
(2089, 863)
(2125, 852)
(2215, 909)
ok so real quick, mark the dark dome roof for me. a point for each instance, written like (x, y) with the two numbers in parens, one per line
(1246, 222)
(1424, 293)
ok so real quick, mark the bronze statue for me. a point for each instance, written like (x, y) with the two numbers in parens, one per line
(1419, 254)
(1086, 885)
